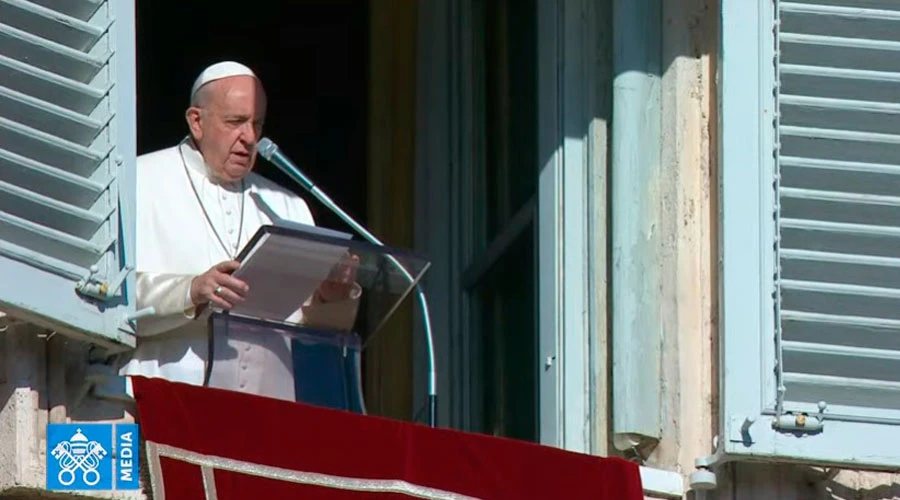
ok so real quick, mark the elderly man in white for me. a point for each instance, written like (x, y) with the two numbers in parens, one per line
(198, 203)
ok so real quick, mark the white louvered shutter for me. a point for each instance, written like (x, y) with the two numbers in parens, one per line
(810, 165)
(67, 159)
(839, 212)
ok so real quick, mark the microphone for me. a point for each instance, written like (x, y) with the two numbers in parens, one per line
(271, 152)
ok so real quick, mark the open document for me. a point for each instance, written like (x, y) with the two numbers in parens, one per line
(283, 265)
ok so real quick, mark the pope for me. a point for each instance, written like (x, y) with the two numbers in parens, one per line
(198, 203)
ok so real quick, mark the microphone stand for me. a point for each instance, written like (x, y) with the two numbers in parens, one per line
(270, 151)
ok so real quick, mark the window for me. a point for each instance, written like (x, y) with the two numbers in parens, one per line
(507, 137)
(67, 156)
(811, 231)
(499, 277)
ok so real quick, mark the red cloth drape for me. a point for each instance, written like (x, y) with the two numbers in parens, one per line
(311, 439)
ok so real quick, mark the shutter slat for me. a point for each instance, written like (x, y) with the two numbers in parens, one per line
(842, 52)
(51, 25)
(838, 258)
(833, 319)
(845, 114)
(49, 149)
(840, 238)
(49, 118)
(839, 135)
(838, 22)
(819, 163)
(50, 56)
(837, 361)
(80, 9)
(840, 331)
(839, 83)
(839, 145)
(857, 4)
(835, 227)
(788, 69)
(849, 391)
(836, 196)
(809, 265)
(832, 42)
(839, 204)
(42, 261)
(838, 353)
(50, 87)
(50, 241)
(840, 288)
(837, 10)
(50, 212)
(829, 175)
(840, 104)
(50, 181)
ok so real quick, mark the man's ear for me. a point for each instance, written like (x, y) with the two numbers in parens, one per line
(192, 115)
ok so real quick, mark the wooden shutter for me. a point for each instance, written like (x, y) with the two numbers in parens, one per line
(838, 153)
(810, 165)
(67, 157)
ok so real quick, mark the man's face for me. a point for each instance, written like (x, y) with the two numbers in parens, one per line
(227, 125)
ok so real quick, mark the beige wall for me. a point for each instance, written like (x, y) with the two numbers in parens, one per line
(40, 377)
(688, 221)
(23, 415)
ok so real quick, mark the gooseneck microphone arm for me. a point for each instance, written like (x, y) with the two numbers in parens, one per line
(270, 151)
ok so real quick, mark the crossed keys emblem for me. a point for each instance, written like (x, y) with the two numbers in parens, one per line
(78, 453)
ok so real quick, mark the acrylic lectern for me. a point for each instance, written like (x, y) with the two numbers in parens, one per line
(285, 343)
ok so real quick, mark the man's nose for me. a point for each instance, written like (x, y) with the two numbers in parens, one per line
(248, 133)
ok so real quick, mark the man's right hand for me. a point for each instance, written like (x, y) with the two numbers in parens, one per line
(231, 290)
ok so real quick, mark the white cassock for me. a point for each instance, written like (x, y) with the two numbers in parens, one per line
(187, 223)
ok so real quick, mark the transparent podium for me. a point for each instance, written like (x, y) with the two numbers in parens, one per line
(284, 341)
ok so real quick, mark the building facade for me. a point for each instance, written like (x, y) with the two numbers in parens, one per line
(658, 229)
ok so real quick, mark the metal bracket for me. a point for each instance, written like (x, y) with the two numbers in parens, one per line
(101, 381)
(801, 422)
(710, 461)
(130, 322)
(99, 288)
(111, 388)
(704, 478)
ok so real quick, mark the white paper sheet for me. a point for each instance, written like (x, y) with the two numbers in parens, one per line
(283, 271)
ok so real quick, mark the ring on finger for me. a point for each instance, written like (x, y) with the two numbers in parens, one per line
(218, 290)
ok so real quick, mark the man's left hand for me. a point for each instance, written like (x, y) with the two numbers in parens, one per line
(340, 281)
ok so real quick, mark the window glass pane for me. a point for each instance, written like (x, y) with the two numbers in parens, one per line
(505, 320)
(509, 173)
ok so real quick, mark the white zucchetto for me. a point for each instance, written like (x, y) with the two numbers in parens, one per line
(218, 71)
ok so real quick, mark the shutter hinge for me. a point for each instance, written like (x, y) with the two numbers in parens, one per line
(801, 422)
(101, 289)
